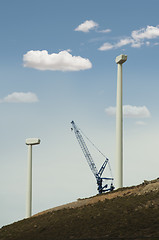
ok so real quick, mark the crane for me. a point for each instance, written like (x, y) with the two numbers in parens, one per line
(96, 173)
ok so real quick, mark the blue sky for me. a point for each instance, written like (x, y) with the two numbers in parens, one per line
(57, 64)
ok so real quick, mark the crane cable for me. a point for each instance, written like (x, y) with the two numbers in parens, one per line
(97, 150)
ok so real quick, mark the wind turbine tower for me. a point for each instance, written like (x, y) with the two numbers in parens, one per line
(119, 125)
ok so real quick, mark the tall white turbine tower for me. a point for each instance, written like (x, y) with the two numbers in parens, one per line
(119, 125)
(30, 142)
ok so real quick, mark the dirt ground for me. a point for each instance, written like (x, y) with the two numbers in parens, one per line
(128, 213)
(146, 187)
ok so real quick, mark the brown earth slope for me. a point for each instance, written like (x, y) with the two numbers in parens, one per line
(128, 213)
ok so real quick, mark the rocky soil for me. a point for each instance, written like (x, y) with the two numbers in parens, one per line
(127, 213)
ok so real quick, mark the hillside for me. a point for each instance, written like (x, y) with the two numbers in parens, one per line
(127, 213)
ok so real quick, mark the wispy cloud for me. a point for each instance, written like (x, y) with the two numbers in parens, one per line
(106, 46)
(20, 97)
(86, 26)
(110, 111)
(130, 111)
(140, 123)
(105, 30)
(62, 61)
(137, 38)
(124, 42)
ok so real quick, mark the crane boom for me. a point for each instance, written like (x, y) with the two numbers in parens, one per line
(91, 163)
(85, 150)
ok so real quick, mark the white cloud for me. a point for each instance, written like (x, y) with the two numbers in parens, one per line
(136, 44)
(137, 38)
(149, 32)
(106, 46)
(86, 26)
(20, 97)
(134, 111)
(105, 30)
(62, 61)
(147, 43)
(123, 42)
(130, 111)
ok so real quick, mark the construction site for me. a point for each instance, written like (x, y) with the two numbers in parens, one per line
(127, 213)
(122, 213)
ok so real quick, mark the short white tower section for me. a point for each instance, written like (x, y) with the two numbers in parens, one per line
(119, 125)
(30, 142)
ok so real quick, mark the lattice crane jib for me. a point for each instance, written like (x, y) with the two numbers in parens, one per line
(91, 163)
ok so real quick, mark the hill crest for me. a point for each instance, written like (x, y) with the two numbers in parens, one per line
(145, 187)
(127, 213)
